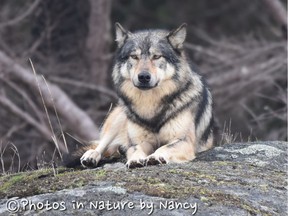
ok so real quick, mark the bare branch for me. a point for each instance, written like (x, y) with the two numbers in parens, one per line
(13, 130)
(18, 19)
(205, 51)
(29, 119)
(77, 120)
(75, 83)
(25, 97)
(25, 116)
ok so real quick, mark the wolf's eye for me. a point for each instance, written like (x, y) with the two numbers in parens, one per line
(155, 57)
(134, 57)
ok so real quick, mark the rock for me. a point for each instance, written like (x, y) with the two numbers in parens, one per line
(264, 154)
(234, 179)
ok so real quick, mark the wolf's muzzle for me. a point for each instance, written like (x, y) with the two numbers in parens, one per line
(144, 81)
(144, 77)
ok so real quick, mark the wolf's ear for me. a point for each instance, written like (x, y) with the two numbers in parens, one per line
(121, 34)
(177, 37)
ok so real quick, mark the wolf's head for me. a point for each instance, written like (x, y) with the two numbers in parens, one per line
(147, 58)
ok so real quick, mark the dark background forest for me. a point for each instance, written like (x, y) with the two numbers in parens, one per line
(240, 47)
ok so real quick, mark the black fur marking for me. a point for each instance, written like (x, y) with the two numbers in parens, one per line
(168, 52)
(208, 131)
(122, 149)
(124, 52)
(173, 96)
(171, 145)
(157, 122)
(124, 99)
(176, 77)
(175, 114)
(202, 105)
(145, 45)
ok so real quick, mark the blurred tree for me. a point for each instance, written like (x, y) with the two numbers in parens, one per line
(99, 41)
(238, 46)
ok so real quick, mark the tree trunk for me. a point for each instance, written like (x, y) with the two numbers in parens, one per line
(99, 40)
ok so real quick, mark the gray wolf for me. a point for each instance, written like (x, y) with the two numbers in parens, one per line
(164, 114)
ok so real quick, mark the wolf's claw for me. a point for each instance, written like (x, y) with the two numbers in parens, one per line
(90, 158)
(135, 164)
(152, 160)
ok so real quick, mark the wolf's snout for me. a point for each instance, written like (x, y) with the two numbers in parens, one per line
(144, 77)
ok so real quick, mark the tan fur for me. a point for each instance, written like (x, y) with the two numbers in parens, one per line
(175, 141)
(180, 128)
(120, 128)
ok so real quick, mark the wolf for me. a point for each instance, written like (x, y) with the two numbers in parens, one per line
(164, 114)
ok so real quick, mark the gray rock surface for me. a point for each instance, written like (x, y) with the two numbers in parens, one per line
(234, 179)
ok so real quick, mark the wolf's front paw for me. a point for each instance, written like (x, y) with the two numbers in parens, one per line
(154, 160)
(135, 163)
(90, 158)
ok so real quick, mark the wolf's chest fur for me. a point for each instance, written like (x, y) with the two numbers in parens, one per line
(155, 108)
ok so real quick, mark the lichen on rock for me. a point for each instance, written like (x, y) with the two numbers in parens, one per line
(243, 178)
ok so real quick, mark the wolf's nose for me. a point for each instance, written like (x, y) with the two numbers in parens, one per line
(144, 77)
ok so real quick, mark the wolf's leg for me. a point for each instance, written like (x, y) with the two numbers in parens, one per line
(136, 155)
(92, 157)
(113, 128)
(141, 144)
(178, 151)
